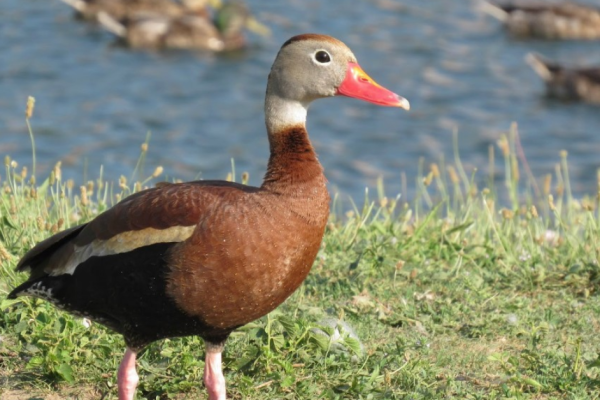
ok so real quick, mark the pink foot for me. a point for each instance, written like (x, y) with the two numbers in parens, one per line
(127, 378)
(213, 375)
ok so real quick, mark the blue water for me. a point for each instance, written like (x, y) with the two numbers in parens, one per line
(97, 101)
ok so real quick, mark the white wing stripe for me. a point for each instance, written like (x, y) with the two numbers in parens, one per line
(123, 243)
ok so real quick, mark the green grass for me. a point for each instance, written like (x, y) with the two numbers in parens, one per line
(450, 296)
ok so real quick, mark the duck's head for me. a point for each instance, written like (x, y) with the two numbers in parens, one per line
(311, 66)
(232, 17)
(201, 5)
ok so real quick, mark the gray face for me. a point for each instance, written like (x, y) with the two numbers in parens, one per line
(309, 68)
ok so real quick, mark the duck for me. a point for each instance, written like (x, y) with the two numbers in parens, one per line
(567, 83)
(207, 257)
(188, 31)
(120, 9)
(547, 20)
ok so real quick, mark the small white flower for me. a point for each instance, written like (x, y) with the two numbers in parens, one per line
(524, 256)
(551, 236)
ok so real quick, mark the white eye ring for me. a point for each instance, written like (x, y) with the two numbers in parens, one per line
(322, 57)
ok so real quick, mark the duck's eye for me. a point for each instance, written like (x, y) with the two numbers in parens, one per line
(322, 57)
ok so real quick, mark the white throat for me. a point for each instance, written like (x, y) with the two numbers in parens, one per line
(283, 113)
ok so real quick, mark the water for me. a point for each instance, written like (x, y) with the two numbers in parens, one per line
(96, 101)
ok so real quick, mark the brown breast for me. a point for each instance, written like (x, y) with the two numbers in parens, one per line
(250, 252)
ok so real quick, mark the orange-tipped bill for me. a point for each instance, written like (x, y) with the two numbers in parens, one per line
(361, 86)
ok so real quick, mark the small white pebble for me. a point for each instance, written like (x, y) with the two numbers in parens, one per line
(512, 319)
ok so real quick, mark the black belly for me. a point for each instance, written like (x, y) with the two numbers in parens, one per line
(126, 292)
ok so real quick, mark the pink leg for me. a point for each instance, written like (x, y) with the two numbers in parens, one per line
(213, 374)
(127, 378)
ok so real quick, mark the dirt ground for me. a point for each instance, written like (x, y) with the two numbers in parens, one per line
(82, 394)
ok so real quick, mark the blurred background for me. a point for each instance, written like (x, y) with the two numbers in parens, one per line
(96, 101)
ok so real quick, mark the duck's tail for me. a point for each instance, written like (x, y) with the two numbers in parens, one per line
(78, 5)
(540, 65)
(494, 10)
(111, 24)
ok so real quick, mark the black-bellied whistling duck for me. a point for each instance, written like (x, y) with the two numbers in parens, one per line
(547, 20)
(568, 83)
(119, 9)
(204, 258)
(224, 32)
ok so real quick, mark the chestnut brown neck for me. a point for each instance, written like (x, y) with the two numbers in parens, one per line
(294, 174)
(293, 165)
